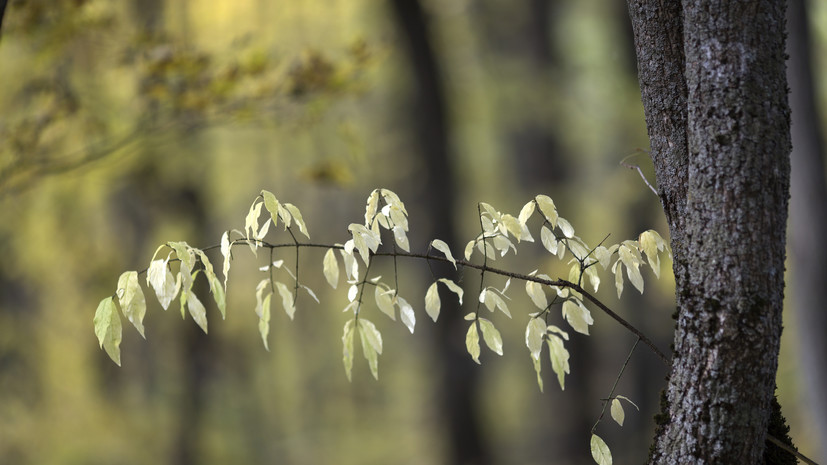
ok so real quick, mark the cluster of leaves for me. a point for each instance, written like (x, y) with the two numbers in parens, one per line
(385, 214)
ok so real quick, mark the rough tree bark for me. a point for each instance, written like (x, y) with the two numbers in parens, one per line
(714, 91)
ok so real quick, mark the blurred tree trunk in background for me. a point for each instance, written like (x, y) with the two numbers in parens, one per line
(808, 219)
(458, 387)
(715, 94)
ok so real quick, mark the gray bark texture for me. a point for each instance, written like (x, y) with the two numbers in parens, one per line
(714, 91)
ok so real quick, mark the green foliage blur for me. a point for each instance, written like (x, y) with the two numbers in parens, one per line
(127, 124)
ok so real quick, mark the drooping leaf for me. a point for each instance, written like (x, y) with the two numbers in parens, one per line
(251, 221)
(617, 269)
(537, 368)
(443, 247)
(108, 328)
(617, 412)
(651, 242)
(162, 282)
(372, 335)
(369, 350)
(453, 288)
(469, 249)
(297, 217)
(196, 310)
(526, 212)
(603, 255)
(406, 313)
(565, 227)
(578, 316)
(594, 279)
(401, 238)
(351, 265)
(384, 300)
(184, 253)
(352, 292)
(538, 296)
(548, 240)
(472, 342)
(491, 336)
(547, 208)
(272, 205)
(632, 263)
(600, 451)
(371, 207)
(331, 268)
(629, 401)
(263, 310)
(513, 226)
(559, 359)
(225, 251)
(286, 299)
(132, 300)
(432, 302)
(535, 332)
(347, 348)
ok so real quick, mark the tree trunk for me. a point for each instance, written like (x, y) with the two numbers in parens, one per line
(808, 220)
(714, 91)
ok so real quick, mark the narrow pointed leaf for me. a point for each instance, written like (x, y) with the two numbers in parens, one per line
(432, 302)
(384, 300)
(535, 332)
(617, 412)
(286, 299)
(491, 336)
(132, 300)
(406, 313)
(472, 342)
(443, 247)
(452, 286)
(559, 359)
(347, 348)
(600, 451)
(331, 268)
(108, 328)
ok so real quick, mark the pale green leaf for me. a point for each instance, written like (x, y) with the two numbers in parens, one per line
(578, 316)
(526, 212)
(108, 328)
(398, 217)
(371, 334)
(162, 282)
(537, 368)
(369, 351)
(196, 310)
(470, 316)
(469, 249)
(629, 401)
(565, 227)
(453, 288)
(401, 238)
(617, 269)
(297, 217)
(371, 207)
(559, 359)
(272, 205)
(225, 251)
(406, 313)
(547, 208)
(603, 255)
(184, 253)
(219, 295)
(432, 302)
(617, 412)
(286, 299)
(443, 247)
(600, 451)
(350, 263)
(632, 262)
(538, 296)
(491, 336)
(548, 240)
(594, 279)
(352, 292)
(472, 342)
(574, 273)
(535, 332)
(513, 225)
(331, 268)
(347, 348)
(384, 300)
(132, 300)
(556, 330)
(251, 221)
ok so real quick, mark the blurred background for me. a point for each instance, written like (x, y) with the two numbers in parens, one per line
(126, 124)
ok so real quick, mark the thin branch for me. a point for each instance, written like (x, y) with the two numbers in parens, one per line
(636, 167)
(617, 380)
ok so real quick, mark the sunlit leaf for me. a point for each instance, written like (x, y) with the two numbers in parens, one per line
(272, 205)
(225, 251)
(432, 302)
(538, 296)
(558, 331)
(372, 206)
(372, 335)
(406, 313)
(401, 238)
(578, 316)
(368, 348)
(559, 359)
(184, 253)
(263, 310)
(443, 247)
(472, 342)
(513, 225)
(453, 288)
(350, 263)
(491, 336)
(297, 217)
(548, 240)
(347, 348)
(470, 316)
(384, 300)
(565, 227)
(617, 269)
(251, 221)
(286, 299)
(538, 367)
(632, 263)
(600, 451)
(352, 292)
(108, 328)
(331, 268)
(469, 249)
(617, 412)
(594, 279)
(526, 212)
(162, 282)
(196, 310)
(603, 255)
(629, 401)
(132, 300)
(535, 332)
(547, 208)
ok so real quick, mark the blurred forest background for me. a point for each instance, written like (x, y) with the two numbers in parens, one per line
(126, 124)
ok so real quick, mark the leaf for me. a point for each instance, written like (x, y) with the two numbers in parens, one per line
(537, 368)
(491, 336)
(617, 269)
(547, 208)
(132, 300)
(297, 217)
(651, 242)
(594, 279)
(600, 451)
(432, 302)
(629, 401)
(384, 300)
(352, 292)
(347, 348)
(264, 319)
(251, 221)
(406, 313)
(617, 412)
(443, 247)
(225, 251)
(469, 249)
(185, 254)
(351, 265)
(526, 212)
(535, 332)
(548, 240)
(453, 288)
(330, 267)
(161, 280)
(371, 207)
(286, 299)
(470, 316)
(513, 225)
(603, 255)
(272, 205)
(566, 227)
(108, 328)
(538, 296)
(472, 342)
(370, 353)
(215, 285)
(556, 330)
(559, 359)
(578, 316)
(627, 256)
(196, 310)
(371, 334)
(401, 238)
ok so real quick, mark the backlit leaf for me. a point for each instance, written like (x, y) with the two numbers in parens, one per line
(472, 342)
(401, 238)
(162, 282)
(347, 348)
(331, 268)
(600, 451)
(432, 302)
(578, 316)
(297, 217)
(469, 249)
(286, 299)
(526, 212)
(535, 332)
(538, 296)
(491, 336)
(384, 300)
(617, 269)
(372, 335)
(547, 208)
(443, 247)
(452, 287)
(617, 412)
(406, 313)
(548, 240)
(108, 328)
(565, 227)
(272, 205)
(559, 359)
(196, 310)
(368, 335)
(132, 301)
(372, 206)
(225, 251)
(537, 368)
